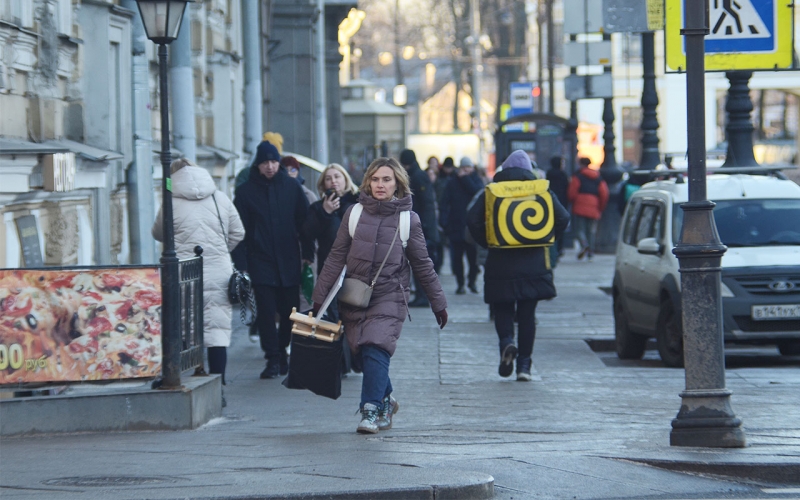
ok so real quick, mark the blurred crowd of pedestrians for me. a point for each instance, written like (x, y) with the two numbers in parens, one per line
(284, 233)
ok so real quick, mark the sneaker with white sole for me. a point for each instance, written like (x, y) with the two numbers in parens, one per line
(524, 366)
(507, 358)
(254, 339)
(369, 419)
(390, 407)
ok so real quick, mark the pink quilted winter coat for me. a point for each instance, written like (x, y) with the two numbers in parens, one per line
(381, 322)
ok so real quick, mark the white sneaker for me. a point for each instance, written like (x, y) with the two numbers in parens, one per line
(254, 339)
(369, 419)
(390, 407)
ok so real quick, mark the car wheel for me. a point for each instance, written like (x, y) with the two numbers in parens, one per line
(789, 347)
(629, 345)
(669, 335)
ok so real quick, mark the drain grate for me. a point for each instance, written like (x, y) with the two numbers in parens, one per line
(100, 481)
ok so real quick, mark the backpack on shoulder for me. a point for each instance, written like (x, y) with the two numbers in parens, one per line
(405, 223)
(354, 291)
(519, 214)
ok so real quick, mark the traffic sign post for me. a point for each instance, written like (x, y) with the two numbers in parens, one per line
(745, 34)
(521, 98)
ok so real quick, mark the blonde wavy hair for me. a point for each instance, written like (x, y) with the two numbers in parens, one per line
(400, 176)
(348, 181)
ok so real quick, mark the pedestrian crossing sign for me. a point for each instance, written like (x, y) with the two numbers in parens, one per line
(743, 35)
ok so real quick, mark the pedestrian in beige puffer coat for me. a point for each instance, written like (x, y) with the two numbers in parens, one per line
(201, 213)
(372, 332)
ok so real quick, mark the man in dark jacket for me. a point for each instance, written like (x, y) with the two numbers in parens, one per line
(453, 218)
(424, 204)
(515, 279)
(273, 208)
(559, 183)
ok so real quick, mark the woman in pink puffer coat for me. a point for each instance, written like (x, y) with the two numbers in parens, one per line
(372, 332)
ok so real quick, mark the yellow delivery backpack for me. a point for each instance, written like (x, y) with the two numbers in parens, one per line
(519, 214)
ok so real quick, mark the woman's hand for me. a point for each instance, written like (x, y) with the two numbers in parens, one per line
(441, 318)
(331, 203)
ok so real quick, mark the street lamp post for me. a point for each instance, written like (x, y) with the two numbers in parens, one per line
(705, 418)
(162, 21)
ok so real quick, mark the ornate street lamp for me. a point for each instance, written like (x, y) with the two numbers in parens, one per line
(162, 21)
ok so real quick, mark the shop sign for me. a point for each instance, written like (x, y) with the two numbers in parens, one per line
(79, 325)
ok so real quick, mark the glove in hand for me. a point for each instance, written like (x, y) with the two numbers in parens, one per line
(441, 318)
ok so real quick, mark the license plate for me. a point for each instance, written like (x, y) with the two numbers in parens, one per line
(785, 311)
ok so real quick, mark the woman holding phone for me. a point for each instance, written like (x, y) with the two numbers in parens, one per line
(337, 193)
(372, 331)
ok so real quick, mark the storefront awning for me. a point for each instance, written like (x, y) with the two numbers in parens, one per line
(85, 151)
(22, 147)
(209, 152)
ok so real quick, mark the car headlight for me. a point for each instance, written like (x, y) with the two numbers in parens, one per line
(725, 291)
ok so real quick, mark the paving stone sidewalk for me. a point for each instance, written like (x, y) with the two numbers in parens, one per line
(587, 426)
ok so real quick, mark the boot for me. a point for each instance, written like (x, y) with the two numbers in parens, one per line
(369, 419)
(390, 407)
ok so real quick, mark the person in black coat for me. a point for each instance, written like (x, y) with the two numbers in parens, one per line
(337, 193)
(273, 208)
(453, 218)
(559, 184)
(424, 204)
(515, 279)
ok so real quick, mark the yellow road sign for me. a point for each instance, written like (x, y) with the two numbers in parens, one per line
(743, 34)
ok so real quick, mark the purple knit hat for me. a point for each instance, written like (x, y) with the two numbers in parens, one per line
(518, 159)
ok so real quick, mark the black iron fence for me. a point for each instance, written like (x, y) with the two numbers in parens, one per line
(191, 303)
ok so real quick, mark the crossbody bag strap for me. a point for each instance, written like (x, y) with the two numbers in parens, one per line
(385, 258)
(222, 226)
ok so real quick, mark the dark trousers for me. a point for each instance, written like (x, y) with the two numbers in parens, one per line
(375, 368)
(270, 301)
(217, 359)
(504, 313)
(457, 251)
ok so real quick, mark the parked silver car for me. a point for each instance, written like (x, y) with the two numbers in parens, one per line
(758, 219)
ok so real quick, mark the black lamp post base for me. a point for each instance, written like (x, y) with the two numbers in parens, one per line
(707, 420)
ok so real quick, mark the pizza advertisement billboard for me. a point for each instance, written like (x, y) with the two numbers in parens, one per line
(79, 325)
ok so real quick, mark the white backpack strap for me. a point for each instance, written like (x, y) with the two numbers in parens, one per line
(405, 227)
(355, 214)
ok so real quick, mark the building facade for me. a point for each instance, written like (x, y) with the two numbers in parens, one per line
(67, 140)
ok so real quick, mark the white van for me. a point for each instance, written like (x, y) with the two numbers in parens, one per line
(758, 219)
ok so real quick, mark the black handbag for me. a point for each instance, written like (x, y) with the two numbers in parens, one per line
(240, 288)
(316, 365)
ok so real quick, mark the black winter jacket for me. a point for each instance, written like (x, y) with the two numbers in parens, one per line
(513, 274)
(559, 184)
(273, 212)
(453, 209)
(424, 203)
(322, 227)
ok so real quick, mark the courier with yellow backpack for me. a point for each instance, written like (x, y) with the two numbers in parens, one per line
(518, 219)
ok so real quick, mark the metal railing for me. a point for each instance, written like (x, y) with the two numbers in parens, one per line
(191, 304)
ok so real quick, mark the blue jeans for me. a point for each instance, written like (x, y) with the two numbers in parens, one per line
(585, 230)
(375, 368)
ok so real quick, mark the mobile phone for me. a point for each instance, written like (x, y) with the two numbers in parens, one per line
(330, 194)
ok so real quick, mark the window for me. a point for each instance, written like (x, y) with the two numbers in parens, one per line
(114, 94)
(649, 225)
(631, 47)
(630, 221)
